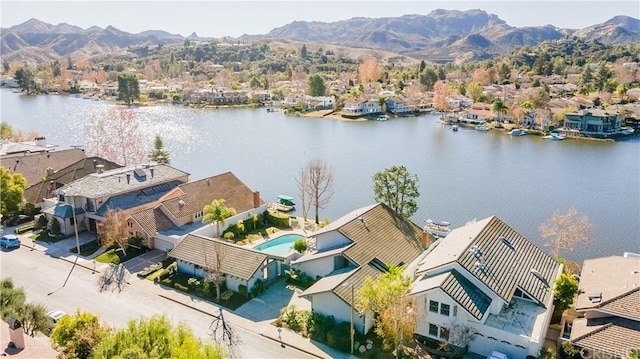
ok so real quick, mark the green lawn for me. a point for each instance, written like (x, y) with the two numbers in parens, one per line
(45, 236)
(115, 255)
(87, 249)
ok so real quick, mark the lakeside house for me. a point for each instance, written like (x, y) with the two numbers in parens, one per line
(487, 277)
(591, 122)
(608, 308)
(358, 108)
(358, 245)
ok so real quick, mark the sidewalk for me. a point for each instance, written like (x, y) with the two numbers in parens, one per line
(263, 328)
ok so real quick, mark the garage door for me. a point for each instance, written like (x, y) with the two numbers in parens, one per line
(162, 244)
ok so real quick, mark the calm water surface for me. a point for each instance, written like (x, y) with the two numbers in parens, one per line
(462, 175)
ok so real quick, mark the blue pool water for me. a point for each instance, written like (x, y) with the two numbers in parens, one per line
(279, 246)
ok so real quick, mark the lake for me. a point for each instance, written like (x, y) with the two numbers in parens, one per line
(462, 175)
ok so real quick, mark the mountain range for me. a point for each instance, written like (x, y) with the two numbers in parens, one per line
(442, 35)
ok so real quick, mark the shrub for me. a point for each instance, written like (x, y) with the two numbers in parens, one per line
(338, 337)
(240, 227)
(228, 235)
(277, 219)
(288, 315)
(181, 287)
(150, 269)
(242, 289)
(568, 351)
(26, 228)
(54, 225)
(258, 288)
(226, 295)
(193, 283)
(41, 223)
(319, 325)
(300, 245)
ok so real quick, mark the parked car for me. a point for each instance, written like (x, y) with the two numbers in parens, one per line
(497, 355)
(55, 315)
(9, 241)
(19, 219)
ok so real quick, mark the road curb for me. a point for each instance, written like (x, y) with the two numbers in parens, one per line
(32, 248)
(248, 329)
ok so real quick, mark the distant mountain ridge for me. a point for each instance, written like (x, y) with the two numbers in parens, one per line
(441, 35)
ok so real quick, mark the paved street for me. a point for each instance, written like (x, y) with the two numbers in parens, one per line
(44, 277)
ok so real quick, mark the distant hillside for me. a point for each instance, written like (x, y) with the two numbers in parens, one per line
(442, 35)
(448, 34)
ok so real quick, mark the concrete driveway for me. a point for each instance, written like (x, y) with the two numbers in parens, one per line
(266, 307)
(144, 260)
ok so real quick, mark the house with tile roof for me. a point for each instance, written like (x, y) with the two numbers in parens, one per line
(488, 277)
(608, 304)
(122, 188)
(358, 245)
(163, 223)
(240, 265)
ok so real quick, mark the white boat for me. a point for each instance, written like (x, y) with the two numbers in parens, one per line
(482, 127)
(438, 229)
(555, 136)
(517, 132)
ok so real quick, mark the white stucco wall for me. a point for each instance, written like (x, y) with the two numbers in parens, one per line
(330, 240)
(318, 267)
(327, 303)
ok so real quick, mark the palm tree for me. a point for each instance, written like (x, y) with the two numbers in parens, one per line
(217, 212)
(499, 107)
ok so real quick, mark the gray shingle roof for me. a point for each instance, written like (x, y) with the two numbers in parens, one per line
(237, 261)
(136, 198)
(34, 166)
(62, 210)
(122, 180)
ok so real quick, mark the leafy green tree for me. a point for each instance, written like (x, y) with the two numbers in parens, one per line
(11, 299)
(75, 336)
(564, 291)
(54, 226)
(428, 78)
(300, 245)
(217, 212)
(55, 68)
(475, 91)
(386, 296)
(398, 189)
(6, 131)
(128, 88)
(34, 319)
(316, 85)
(303, 51)
(155, 337)
(634, 354)
(158, 153)
(12, 187)
(25, 79)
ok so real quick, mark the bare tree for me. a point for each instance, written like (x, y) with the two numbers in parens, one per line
(213, 263)
(113, 230)
(222, 333)
(318, 185)
(460, 336)
(303, 182)
(566, 231)
(369, 71)
(115, 135)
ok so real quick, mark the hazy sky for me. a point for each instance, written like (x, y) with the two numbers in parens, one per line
(234, 18)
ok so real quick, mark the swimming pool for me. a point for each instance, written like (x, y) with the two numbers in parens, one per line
(279, 246)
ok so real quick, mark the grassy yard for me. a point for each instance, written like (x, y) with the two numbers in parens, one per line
(115, 255)
(254, 235)
(45, 236)
(87, 249)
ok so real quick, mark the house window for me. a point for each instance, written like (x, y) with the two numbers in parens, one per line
(130, 224)
(433, 306)
(455, 310)
(433, 330)
(444, 333)
(444, 309)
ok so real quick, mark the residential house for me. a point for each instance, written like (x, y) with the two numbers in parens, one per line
(487, 277)
(399, 106)
(122, 188)
(592, 122)
(220, 97)
(56, 178)
(320, 102)
(261, 95)
(163, 223)
(478, 113)
(356, 108)
(608, 303)
(35, 165)
(241, 266)
(357, 246)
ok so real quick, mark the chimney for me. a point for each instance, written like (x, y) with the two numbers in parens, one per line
(99, 168)
(95, 163)
(40, 141)
(208, 183)
(151, 170)
(425, 239)
(128, 178)
(49, 171)
(256, 199)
